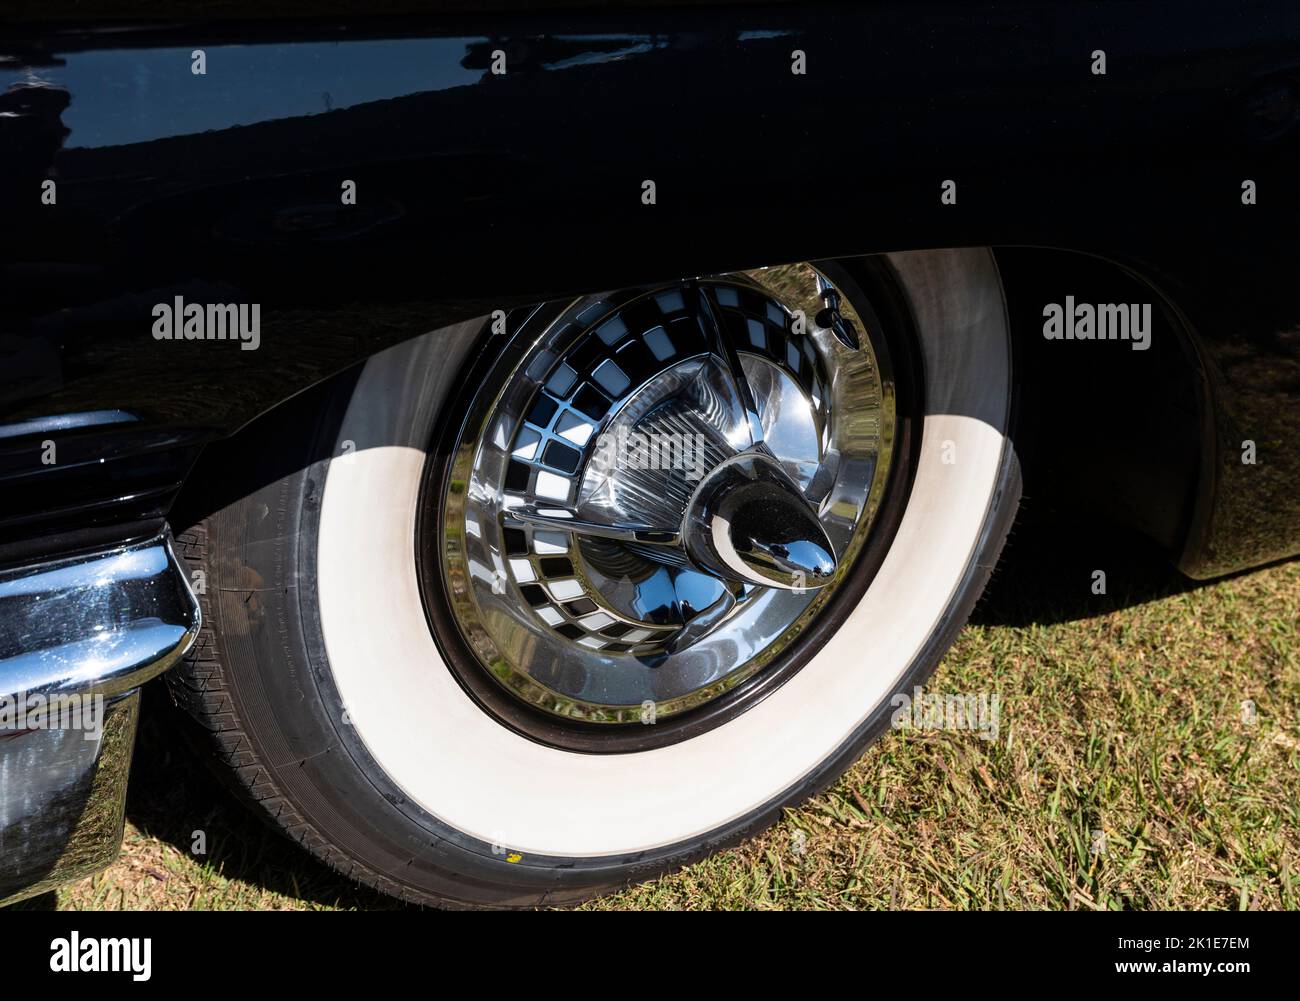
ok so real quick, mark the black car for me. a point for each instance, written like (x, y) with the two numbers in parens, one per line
(538, 447)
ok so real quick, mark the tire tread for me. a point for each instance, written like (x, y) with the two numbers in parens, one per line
(198, 687)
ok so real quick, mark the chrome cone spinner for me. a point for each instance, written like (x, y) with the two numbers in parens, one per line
(750, 522)
(661, 484)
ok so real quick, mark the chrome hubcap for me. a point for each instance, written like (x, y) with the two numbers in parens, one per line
(655, 491)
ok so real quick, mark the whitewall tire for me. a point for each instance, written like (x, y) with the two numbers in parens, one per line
(413, 787)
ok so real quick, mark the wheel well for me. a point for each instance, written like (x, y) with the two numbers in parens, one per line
(1114, 433)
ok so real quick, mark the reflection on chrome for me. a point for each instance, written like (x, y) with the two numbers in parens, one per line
(588, 582)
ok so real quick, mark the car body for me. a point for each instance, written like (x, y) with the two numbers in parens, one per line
(478, 191)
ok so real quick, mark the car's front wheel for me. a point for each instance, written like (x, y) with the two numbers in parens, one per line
(519, 618)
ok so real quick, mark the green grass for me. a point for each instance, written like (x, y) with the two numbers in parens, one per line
(1120, 713)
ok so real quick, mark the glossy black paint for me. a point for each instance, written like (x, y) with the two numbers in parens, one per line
(478, 191)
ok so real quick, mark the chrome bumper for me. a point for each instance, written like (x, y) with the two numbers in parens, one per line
(78, 637)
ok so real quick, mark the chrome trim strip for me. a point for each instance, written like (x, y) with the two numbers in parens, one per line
(95, 625)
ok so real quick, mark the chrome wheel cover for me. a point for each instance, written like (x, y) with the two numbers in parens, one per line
(585, 542)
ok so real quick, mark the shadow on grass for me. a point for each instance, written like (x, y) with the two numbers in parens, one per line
(48, 901)
(1046, 572)
(174, 794)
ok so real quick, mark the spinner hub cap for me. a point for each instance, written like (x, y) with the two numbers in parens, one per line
(654, 491)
